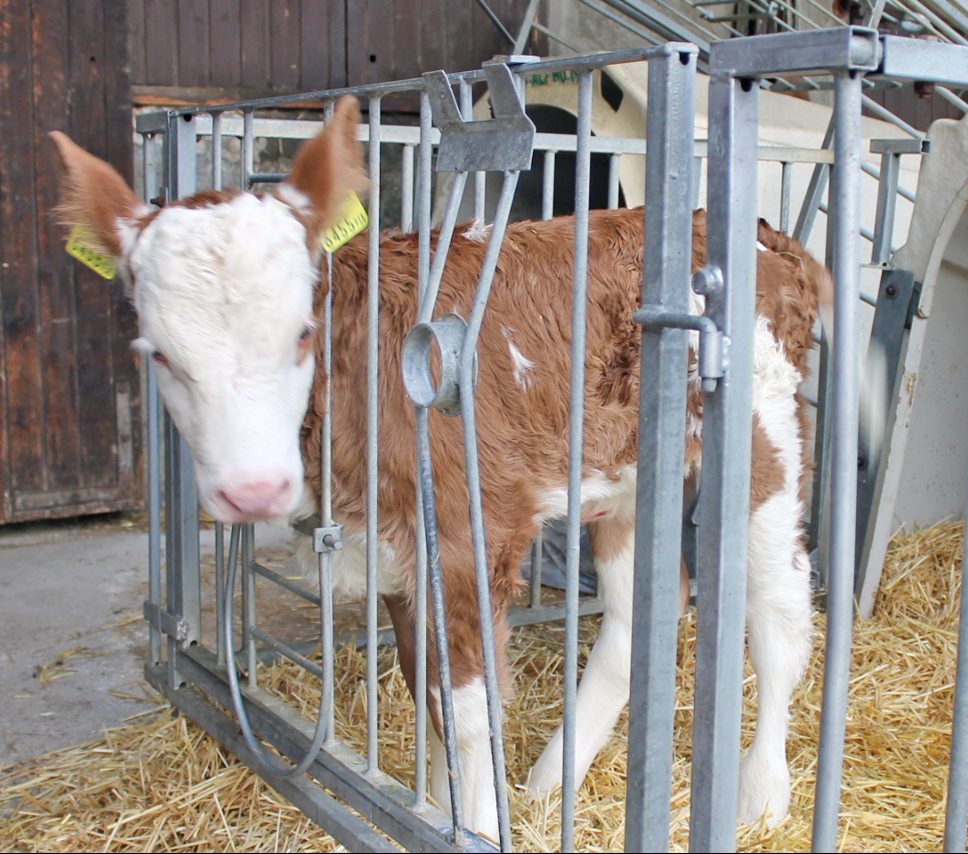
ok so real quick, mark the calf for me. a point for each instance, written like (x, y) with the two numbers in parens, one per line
(227, 288)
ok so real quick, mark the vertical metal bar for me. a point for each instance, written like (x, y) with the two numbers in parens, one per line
(441, 643)
(536, 567)
(696, 180)
(613, 162)
(420, 583)
(522, 38)
(481, 574)
(326, 516)
(220, 655)
(662, 414)
(372, 423)
(784, 196)
(548, 186)
(183, 588)
(467, 113)
(575, 423)
(886, 205)
(154, 511)
(248, 144)
(248, 605)
(814, 194)
(845, 205)
(406, 189)
(724, 498)
(217, 151)
(956, 815)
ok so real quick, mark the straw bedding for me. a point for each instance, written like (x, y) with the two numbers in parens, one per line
(159, 784)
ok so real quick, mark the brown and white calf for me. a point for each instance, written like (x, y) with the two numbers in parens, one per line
(228, 287)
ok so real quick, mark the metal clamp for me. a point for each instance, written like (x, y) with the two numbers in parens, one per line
(448, 334)
(328, 538)
(654, 318)
(501, 144)
(170, 624)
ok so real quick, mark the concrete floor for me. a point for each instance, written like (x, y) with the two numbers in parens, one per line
(72, 640)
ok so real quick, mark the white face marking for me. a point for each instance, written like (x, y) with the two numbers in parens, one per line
(224, 293)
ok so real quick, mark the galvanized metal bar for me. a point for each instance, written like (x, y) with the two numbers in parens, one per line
(785, 196)
(815, 191)
(248, 149)
(727, 431)
(183, 582)
(662, 412)
(441, 638)
(406, 189)
(886, 206)
(480, 178)
(525, 29)
(420, 584)
(613, 163)
(576, 410)
(444, 236)
(154, 509)
(853, 48)
(956, 814)
(217, 151)
(325, 554)
(534, 599)
(248, 606)
(845, 201)
(915, 59)
(372, 427)
(548, 185)
(471, 465)
(219, 591)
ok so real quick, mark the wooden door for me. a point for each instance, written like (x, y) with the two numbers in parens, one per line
(69, 385)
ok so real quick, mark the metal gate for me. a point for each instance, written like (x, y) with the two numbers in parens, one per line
(354, 795)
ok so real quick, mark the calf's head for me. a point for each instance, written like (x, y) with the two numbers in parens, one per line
(223, 286)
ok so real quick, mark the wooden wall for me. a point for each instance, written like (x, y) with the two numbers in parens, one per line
(69, 387)
(198, 49)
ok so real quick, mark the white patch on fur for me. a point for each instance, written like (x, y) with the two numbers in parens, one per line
(778, 588)
(604, 688)
(521, 363)
(760, 247)
(474, 757)
(223, 292)
(600, 495)
(478, 231)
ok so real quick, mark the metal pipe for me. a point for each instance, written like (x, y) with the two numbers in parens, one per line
(845, 195)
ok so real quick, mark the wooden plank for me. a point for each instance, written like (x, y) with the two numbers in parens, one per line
(458, 27)
(18, 293)
(136, 39)
(225, 37)
(433, 40)
(254, 18)
(55, 274)
(161, 43)
(406, 44)
(380, 41)
(338, 64)
(96, 404)
(284, 42)
(314, 37)
(193, 43)
(357, 64)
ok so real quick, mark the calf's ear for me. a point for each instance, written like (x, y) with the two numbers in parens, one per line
(329, 166)
(94, 196)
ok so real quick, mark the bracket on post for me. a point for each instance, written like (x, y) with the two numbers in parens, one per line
(654, 318)
(501, 144)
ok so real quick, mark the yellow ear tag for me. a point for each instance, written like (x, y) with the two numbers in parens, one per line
(351, 218)
(77, 248)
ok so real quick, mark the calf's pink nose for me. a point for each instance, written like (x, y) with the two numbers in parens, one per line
(258, 499)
